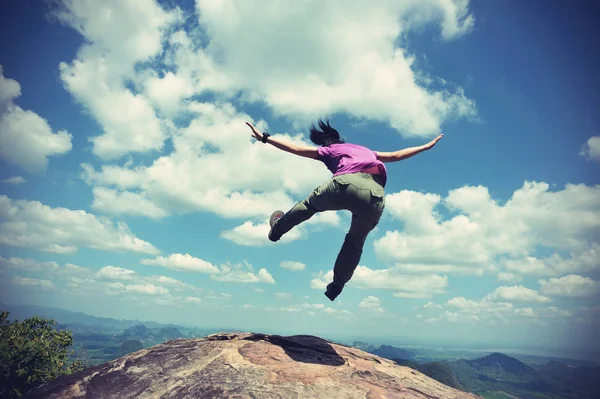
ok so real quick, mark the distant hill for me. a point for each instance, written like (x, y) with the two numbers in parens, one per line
(498, 360)
(500, 376)
(440, 371)
(501, 373)
(150, 336)
(102, 338)
(84, 322)
(63, 316)
(385, 351)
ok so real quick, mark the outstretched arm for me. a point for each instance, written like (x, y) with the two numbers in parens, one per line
(303, 151)
(407, 152)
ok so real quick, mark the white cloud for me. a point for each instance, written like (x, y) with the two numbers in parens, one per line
(178, 285)
(332, 59)
(482, 307)
(462, 303)
(484, 234)
(218, 62)
(27, 264)
(148, 289)
(528, 312)
(249, 234)
(283, 295)
(591, 149)
(553, 311)
(109, 280)
(115, 273)
(310, 309)
(371, 304)
(242, 274)
(506, 276)
(31, 224)
(31, 282)
(555, 264)
(406, 286)
(26, 139)
(516, 293)
(431, 305)
(14, 180)
(572, 285)
(182, 262)
(455, 317)
(292, 265)
(137, 204)
(216, 139)
(118, 36)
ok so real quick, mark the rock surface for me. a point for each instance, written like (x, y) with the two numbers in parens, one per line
(249, 365)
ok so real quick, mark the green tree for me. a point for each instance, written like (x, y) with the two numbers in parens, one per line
(32, 352)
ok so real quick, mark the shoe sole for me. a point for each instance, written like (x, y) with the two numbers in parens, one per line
(275, 216)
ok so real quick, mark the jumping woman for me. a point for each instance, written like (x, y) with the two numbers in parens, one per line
(357, 185)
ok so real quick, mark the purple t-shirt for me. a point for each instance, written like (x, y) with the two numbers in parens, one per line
(350, 158)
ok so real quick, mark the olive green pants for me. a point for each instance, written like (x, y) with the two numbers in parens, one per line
(360, 193)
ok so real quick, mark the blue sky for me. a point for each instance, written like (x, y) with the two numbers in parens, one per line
(131, 187)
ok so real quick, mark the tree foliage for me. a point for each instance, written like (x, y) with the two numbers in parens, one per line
(32, 352)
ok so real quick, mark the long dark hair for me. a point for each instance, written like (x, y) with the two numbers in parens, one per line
(326, 136)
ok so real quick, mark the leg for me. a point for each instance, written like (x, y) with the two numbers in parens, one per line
(351, 251)
(366, 211)
(323, 198)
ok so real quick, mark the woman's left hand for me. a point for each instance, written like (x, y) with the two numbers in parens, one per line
(255, 133)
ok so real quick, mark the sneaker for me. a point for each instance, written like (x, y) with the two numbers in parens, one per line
(333, 290)
(275, 216)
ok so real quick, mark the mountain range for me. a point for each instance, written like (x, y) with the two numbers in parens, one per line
(494, 376)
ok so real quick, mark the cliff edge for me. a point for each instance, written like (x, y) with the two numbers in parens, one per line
(249, 365)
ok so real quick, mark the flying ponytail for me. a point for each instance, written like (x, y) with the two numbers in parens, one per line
(326, 136)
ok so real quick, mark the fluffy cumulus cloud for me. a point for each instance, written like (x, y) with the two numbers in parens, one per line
(516, 293)
(26, 139)
(331, 59)
(16, 180)
(292, 265)
(32, 282)
(154, 69)
(484, 234)
(115, 273)
(217, 139)
(182, 262)
(118, 35)
(31, 224)
(371, 304)
(250, 234)
(27, 264)
(404, 285)
(312, 309)
(507, 276)
(231, 273)
(242, 274)
(147, 289)
(591, 149)
(498, 307)
(572, 285)
(88, 282)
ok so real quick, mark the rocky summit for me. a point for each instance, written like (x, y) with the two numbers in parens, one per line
(248, 365)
